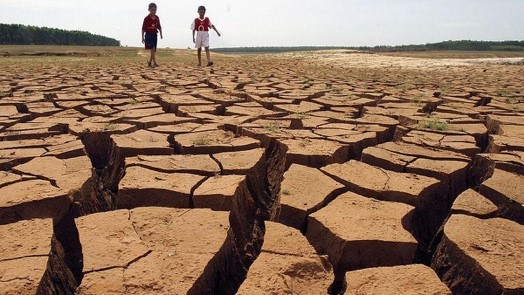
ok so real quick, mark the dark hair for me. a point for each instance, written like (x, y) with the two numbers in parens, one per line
(152, 5)
(201, 8)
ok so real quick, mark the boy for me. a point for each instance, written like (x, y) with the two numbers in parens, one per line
(201, 25)
(150, 28)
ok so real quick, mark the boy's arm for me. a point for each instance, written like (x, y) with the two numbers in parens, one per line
(160, 29)
(214, 28)
(193, 28)
(143, 31)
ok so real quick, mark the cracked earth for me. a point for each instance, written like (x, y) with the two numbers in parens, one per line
(310, 173)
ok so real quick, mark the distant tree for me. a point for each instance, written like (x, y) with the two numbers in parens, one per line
(13, 34)
(463, 45)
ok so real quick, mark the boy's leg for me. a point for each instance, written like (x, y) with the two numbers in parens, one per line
(199, 56)
(150, 60)
(153, 56)
(208, 55)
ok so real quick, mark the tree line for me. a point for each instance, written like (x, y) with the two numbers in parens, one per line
(463, 45)
(14, 34)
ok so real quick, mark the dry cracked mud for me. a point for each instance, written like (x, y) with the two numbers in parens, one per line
(275, 174)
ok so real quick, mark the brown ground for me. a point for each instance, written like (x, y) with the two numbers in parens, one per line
(299, 173)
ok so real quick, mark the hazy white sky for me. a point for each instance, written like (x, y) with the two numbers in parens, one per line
(284, 22)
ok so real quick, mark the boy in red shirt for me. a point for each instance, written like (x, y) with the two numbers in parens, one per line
(150, 28)
(201, 26)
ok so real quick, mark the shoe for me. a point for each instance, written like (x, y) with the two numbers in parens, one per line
(149, 64)
(209, 64)
(155, 65)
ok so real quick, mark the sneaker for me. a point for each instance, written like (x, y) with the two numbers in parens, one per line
(209, 64)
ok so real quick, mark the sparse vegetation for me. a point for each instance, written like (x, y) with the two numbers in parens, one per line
(110, 127)
(418, 100)
(272, 127)
(444, 86)
(406, 86)
(434, 124)
(286, 192)
(202, 141)
(504, 92)
(516, 108)
(301, 116)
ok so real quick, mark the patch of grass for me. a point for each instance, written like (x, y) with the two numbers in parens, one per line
(418, 80)
(418, 100)
(133, 101)
(406, 86)
(516, 108)
(508, 100)
(272, 127)
(444, 86)
(110, 127)
(434, 124)
(301, 116)
(504, 92)
(286, 192)
(201, 141)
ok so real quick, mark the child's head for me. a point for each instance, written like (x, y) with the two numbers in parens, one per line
(202, 11)
(152, 8)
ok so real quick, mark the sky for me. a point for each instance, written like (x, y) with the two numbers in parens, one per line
(283, 22)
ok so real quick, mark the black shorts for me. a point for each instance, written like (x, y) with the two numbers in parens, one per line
(151, 41)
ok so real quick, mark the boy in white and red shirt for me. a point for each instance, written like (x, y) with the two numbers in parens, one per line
(150, 28)
(201, 26)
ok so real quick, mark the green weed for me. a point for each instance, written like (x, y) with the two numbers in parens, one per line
(202, 141)
(301, 116)
(504, 92)
(272, 127)
(434, 124)
(110, 127)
